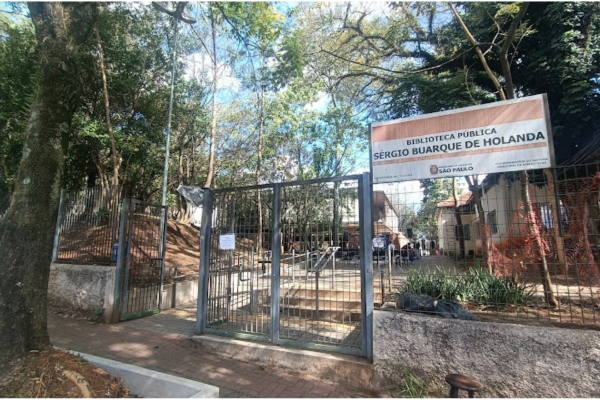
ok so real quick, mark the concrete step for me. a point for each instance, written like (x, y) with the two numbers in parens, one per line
(353, 371)
(325, 294)
(324, 304)
(341, 316)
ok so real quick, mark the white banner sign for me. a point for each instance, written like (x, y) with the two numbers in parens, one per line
(504, 136)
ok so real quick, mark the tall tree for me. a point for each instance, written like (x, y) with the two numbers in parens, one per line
(508, 93)
(27, 230)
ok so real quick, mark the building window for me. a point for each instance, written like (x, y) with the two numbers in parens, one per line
(493, 221)
(466, 229)
(545, 215)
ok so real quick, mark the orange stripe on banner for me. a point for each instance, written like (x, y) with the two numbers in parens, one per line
(463, 153)
(522, 111)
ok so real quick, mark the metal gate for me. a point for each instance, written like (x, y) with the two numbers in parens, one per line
(144, 254)
(289, 263)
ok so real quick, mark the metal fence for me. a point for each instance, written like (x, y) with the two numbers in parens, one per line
(88, 226)
(283, 264)
(320, 282)
(144, 263)
(517, 247)
(239, 284)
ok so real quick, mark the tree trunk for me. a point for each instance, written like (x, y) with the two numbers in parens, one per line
(113, 147)
(213, 122)
(484, 232)
(535, 234)
(27, 231)
(459, 225)
(183, 206)
(559, 244)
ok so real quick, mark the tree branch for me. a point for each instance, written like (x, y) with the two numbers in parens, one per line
(479, 53)
(503, 54)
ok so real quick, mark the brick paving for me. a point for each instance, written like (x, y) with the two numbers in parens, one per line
(162, 343)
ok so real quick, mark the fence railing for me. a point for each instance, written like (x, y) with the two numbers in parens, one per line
(88, 226)
(525, 248)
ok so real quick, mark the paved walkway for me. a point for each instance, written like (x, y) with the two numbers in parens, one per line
(162, 342)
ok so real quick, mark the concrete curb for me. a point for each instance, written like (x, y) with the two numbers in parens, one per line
(147, 383)
(333, 368)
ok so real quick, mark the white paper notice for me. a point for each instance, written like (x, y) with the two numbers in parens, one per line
(227, 242)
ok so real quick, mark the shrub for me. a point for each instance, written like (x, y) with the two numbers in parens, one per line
(476, 286)
(435, 284)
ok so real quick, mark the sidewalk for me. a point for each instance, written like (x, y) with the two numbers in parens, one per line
(162, 343)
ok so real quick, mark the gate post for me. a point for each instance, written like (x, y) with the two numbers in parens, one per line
(205, 231)
(275, 260)
(365, 217)
(119, 275)
(126, 257)
(59, 219)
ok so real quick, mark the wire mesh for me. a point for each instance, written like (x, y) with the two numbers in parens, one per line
(320, 283)
(90, 226)
(239, 281)
(518, 247)
(144, 270)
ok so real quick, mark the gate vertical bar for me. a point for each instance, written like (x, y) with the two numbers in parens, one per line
(163, 253)
(128, 246)
(365, 201)
(205, 232)
(59, 219)
(275, 260)
(119, 273)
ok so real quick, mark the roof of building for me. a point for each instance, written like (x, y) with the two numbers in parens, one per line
(463, 199)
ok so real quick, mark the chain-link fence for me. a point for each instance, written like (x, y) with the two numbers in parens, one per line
(510, 247)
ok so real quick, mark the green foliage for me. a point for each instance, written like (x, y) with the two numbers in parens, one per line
(436, 284)
(98, 311)
(481, 287)
(17, 85)
(413, 385)
(434, 191)
(476, 286)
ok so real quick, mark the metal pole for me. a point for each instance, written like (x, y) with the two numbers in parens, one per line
(202, 302)
(366, 262)
(163, 246)
(59, 218)
(127, 259)
(333, 271)
(168, 144)
(119, 275)
(317, 294)
(275, 260)
(390, 267)
(306, 265)
(252, 280)
(293, 265)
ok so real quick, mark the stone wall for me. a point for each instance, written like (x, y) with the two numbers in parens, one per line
(178, 293)
(510, 360)
(87, 291)
(83, 291)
